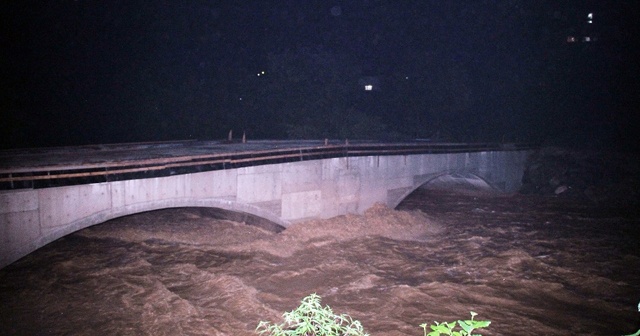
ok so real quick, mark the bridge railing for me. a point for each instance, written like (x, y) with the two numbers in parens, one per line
(237, 156)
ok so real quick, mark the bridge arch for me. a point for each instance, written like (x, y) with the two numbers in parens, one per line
(460, 175)
(270, 221)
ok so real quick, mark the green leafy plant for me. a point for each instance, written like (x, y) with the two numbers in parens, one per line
(310, 319)
(637, 333)
(447, 328)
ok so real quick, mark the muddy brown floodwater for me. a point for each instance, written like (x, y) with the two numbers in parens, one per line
(533, 265)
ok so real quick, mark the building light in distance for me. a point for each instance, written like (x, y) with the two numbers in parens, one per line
(370, 83)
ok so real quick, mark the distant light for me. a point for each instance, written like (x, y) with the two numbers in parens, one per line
(370, 83)
(406, 77)
(571, 39)
(261, 73)
(590, 18)
(587, 39)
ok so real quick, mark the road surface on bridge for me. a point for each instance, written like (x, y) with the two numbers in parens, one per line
(57, 166)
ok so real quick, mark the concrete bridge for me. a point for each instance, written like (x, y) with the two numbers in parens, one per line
(47, 194)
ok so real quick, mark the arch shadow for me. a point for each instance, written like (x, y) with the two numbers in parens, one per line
(250, 215)
(472, 178)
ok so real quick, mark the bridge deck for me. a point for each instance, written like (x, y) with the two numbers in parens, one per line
(51, 167)
(91, 155)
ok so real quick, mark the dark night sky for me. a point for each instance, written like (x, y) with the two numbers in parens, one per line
(87, 72)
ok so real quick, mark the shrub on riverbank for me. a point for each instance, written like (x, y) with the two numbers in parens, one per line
(311, 319)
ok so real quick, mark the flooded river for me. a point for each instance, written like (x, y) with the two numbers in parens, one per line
(533, 265)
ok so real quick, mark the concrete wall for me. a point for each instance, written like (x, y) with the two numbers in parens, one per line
(283, 193)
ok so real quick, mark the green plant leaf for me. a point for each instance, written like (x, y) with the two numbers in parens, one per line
(481, 324)
(466, 325)
(311, 319)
